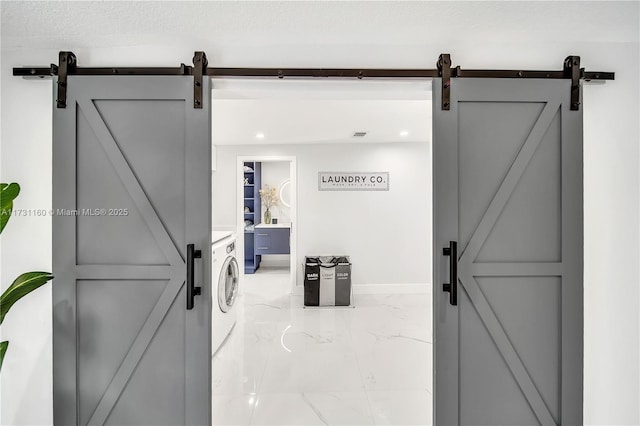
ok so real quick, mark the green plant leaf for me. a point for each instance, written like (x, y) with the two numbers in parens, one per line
(22, 286)
(3, 348)
(8, 192)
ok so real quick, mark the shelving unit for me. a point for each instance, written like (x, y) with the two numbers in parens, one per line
(253, 203)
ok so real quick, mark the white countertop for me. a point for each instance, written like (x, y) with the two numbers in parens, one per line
(273, 225)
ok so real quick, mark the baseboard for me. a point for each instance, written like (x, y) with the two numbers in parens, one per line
(276, 260)
(418, 288)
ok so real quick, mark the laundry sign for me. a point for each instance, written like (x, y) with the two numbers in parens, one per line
(353, 181)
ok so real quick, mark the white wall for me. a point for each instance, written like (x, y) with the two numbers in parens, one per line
(611, 159)
(386, 233)
(25, 157)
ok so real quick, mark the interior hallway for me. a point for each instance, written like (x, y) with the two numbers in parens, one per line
(283, 364)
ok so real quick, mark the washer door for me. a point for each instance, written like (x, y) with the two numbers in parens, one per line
(228, 284)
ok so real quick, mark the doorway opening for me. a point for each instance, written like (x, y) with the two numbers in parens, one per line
(284, 363)
(266, 210)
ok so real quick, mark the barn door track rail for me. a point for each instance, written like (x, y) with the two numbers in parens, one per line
(67, 65)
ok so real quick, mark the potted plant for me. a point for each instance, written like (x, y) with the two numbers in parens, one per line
(26, 282)
(269, 197)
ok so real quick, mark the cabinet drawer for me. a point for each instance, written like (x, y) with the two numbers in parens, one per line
(263, 240)
(272, 240)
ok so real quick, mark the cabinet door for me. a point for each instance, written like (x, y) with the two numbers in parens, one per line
(272, 241)
(263, 241)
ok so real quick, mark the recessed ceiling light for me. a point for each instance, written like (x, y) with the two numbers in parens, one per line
(260, 135)
(404, 133)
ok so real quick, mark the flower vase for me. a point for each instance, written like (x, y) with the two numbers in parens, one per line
(267, 216)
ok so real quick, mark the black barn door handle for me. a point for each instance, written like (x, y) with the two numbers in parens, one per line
(452, 286)
(192, 290)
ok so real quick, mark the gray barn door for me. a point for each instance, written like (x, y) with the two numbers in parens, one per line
(508, 190)
(131, 188)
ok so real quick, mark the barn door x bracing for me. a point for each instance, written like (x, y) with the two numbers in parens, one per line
(131, 189)
(507, 254)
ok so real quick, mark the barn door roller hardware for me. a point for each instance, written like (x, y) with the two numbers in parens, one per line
(444, 70)
(199, 69)
(68, 66)
(572, 68)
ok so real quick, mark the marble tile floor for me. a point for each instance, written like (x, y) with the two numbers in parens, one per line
(286, 365)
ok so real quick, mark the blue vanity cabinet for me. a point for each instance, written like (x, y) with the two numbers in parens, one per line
(272, 240)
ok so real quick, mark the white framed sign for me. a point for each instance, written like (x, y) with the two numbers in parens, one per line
(353, 181)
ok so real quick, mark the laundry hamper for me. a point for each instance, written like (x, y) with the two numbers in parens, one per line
(327, 281)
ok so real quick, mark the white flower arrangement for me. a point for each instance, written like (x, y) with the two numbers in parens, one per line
(269, 196)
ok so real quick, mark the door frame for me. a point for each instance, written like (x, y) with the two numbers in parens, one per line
(293, 176)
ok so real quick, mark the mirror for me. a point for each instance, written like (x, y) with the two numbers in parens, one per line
(285, 193)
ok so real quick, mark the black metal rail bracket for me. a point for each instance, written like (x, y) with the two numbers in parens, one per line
(68, 65)
(572, 70)
(444, 71)
(200, 64)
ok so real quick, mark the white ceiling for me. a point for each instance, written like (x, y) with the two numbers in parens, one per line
(311, 111)
(320, 121)
(305, 112)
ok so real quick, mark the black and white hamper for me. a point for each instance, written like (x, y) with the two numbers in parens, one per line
(327, 281)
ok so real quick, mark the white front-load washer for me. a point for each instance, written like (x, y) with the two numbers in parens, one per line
(225, 281)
